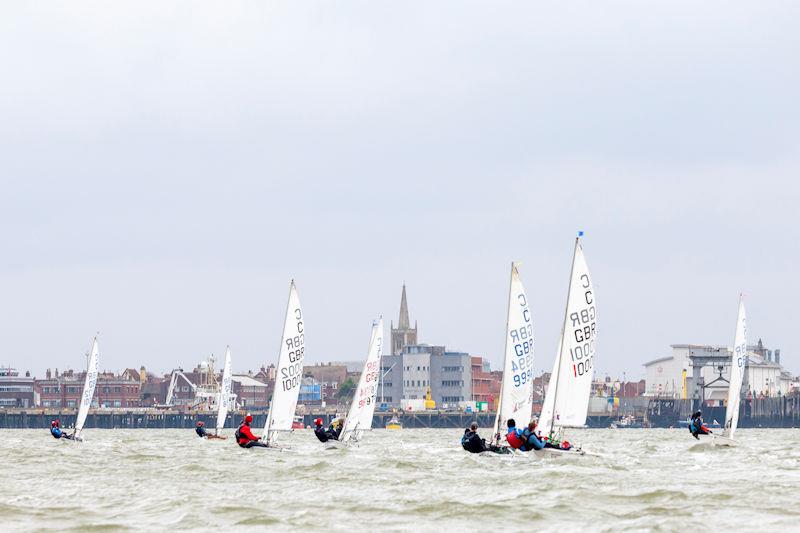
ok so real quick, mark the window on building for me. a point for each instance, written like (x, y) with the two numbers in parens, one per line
(70, 403)
(387, 383)
(72, 389)
(452, 399)
(117, 403)
(117, 389)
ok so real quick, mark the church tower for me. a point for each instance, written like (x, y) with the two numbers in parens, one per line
(404, 335)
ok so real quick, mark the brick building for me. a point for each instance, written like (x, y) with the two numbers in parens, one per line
(329, 377)
(64, 390)
(485, 383)
(250, 392)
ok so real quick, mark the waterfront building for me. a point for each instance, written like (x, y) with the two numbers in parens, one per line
(16, 390)
(310, 392)
(701, 372)
(329, 377)
(413, 371)
(421, 368)
(114, 390)
(485, 383)
(64, 390)
(250, 392)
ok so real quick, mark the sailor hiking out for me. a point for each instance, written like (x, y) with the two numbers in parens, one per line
(245, 437)
(471, 441)
(324, 434)
(57, 432)
(697, 426)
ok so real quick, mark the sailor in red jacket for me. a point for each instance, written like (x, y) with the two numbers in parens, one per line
(514, 435)
(245, 437)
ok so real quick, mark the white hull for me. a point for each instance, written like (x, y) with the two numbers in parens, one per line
(553, 452)
(543, 453)
(715, 440)
(722, 441)
(335, 445)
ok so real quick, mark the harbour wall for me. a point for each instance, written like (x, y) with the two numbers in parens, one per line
(662, 413)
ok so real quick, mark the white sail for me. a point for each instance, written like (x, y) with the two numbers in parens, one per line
(738, 364)
(92, 370)
(289, 372)
(567, 399)
(359, 418)
(516, 392)
(224, 399)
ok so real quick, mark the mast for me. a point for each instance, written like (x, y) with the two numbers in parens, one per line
(92, 366)
(267, 432)
(738, 364)
(362, 406)
(563, 330)
(497, 421)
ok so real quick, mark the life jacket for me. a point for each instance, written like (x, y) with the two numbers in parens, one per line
(513, 439)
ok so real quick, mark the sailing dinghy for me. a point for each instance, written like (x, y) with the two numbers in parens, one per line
(225, 397)
(516, 389)
(567, 400)
(359, 417)
(89, 385)
(288, 374)
(738, 364)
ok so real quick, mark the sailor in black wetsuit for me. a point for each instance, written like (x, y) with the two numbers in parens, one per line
(471, 441)
(697, 426)
(200, 429)
(323, 434)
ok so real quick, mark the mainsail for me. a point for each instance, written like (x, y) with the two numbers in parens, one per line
(359, 418)
(88, 387)
(289, 373)
(567, 399)
(738, 364)
(516, 392)
(225, 396)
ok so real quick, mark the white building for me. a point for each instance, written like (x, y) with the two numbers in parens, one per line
(708, 370)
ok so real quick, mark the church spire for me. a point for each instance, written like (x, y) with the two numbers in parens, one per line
(404, 322)
(403, 335)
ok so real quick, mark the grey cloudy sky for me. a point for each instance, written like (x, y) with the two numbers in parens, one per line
(167, 167)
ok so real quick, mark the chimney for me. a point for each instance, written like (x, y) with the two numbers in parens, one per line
(778, 355)
(48, 374)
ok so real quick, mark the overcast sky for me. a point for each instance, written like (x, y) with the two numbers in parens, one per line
(168, 167)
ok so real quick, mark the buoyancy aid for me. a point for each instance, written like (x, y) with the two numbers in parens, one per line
(513, 438)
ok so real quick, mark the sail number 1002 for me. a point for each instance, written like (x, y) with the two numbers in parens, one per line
(291, 373)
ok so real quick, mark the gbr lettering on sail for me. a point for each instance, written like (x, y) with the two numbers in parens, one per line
(522, 341)
(584, 328)
(292, 373)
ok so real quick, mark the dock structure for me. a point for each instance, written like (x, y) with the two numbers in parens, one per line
(662, 413)
(779, 412)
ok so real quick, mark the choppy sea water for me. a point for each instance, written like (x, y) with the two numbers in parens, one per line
(403, 480)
